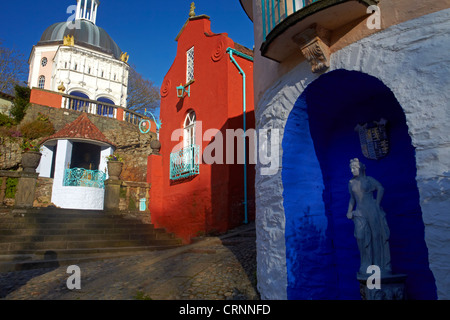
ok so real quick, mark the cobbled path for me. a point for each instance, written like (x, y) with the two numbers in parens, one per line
(216, 268)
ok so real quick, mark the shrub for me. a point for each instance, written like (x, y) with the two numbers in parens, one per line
(11, 185)
(6, 121)
(38, 128)
(21, 102)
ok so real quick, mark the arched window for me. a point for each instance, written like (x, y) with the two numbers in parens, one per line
(103, 110)
(76, 104)
(189, 129)
(44, 61)
(185, 162)
(41, 83)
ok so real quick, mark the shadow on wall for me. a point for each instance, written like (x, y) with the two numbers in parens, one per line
(319, 141)
(227, 182)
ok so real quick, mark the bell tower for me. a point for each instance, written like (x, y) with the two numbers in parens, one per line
(87, 10)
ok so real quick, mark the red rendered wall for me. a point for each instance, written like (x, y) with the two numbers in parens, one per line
(45, 98)
(211, 201)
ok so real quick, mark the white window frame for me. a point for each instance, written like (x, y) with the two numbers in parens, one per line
(190, 65)
(189, 129)
(41, 82)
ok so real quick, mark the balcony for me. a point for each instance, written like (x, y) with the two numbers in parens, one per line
(101, 108)
(290, 25)
(79, 177)
(185, 163)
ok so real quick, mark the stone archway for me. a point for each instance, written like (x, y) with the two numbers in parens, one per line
(319, 140)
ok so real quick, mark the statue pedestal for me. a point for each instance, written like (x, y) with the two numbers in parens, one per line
(392, 287)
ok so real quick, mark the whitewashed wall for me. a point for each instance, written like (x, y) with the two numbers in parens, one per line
(412, 59)
(84, 198)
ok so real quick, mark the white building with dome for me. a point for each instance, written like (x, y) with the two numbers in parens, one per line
(81, 59)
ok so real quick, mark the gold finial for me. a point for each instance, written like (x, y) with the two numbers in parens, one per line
(69, 41)
(192, 12)
(61, 87)
(124, 57)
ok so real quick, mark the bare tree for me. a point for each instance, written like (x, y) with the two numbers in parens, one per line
(142, 93)
(13, 69)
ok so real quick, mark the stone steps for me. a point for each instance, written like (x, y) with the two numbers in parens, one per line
(42, 237)
(148, 235)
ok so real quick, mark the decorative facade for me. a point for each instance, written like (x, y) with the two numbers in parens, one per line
(323, 69)
(75, 157)
(81, 59)
(203, 96)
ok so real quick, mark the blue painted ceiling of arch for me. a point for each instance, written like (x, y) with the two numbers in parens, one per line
(335, 103)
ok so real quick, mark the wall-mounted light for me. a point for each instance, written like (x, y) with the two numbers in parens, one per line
(181, 90)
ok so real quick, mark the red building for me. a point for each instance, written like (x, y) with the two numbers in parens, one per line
(200, 183)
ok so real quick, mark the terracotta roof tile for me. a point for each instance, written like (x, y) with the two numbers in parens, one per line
(243, 49)
(81, 128)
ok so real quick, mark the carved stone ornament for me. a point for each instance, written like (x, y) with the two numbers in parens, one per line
(165, 88)
(313, 43)
(219, 51)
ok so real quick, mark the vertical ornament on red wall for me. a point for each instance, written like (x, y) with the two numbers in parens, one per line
(167, 85)
(219, 51)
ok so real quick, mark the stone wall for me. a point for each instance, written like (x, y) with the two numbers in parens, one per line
(133, 145)
(409, 58)
(10, 153)
(43, 194)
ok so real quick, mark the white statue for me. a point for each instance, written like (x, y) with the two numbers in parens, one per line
(371, 229)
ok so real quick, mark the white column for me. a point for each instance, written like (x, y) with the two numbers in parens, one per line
(78, 14)
(62, 161)
(85, 9)
(91, 14)
(106, 151)
(94, 13)
(45, 166)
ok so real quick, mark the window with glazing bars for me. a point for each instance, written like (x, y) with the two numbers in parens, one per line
(190, 65)
(41, 83)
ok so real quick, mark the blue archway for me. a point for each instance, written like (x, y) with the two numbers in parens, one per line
(104, 110)
(319, 140)
(76, 104)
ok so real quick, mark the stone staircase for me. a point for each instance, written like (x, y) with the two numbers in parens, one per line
(51, 237)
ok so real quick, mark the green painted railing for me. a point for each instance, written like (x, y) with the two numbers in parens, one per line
(185, 162)
(79, 177)
(275, 11)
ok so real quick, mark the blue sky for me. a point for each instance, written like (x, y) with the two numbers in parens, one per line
(146, 29)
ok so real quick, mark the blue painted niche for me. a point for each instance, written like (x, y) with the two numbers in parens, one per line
(319, 140)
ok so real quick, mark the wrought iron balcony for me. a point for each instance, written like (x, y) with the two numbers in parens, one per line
(79, 177)
(284, 20)
(185, 162)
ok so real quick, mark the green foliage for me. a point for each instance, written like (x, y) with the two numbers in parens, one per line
(29, 146)
(132, 204)
(21, 102)
(142, 296)
(38, 128)
(114, 157)
(6, 121)
(123, 193)
(11, 186)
